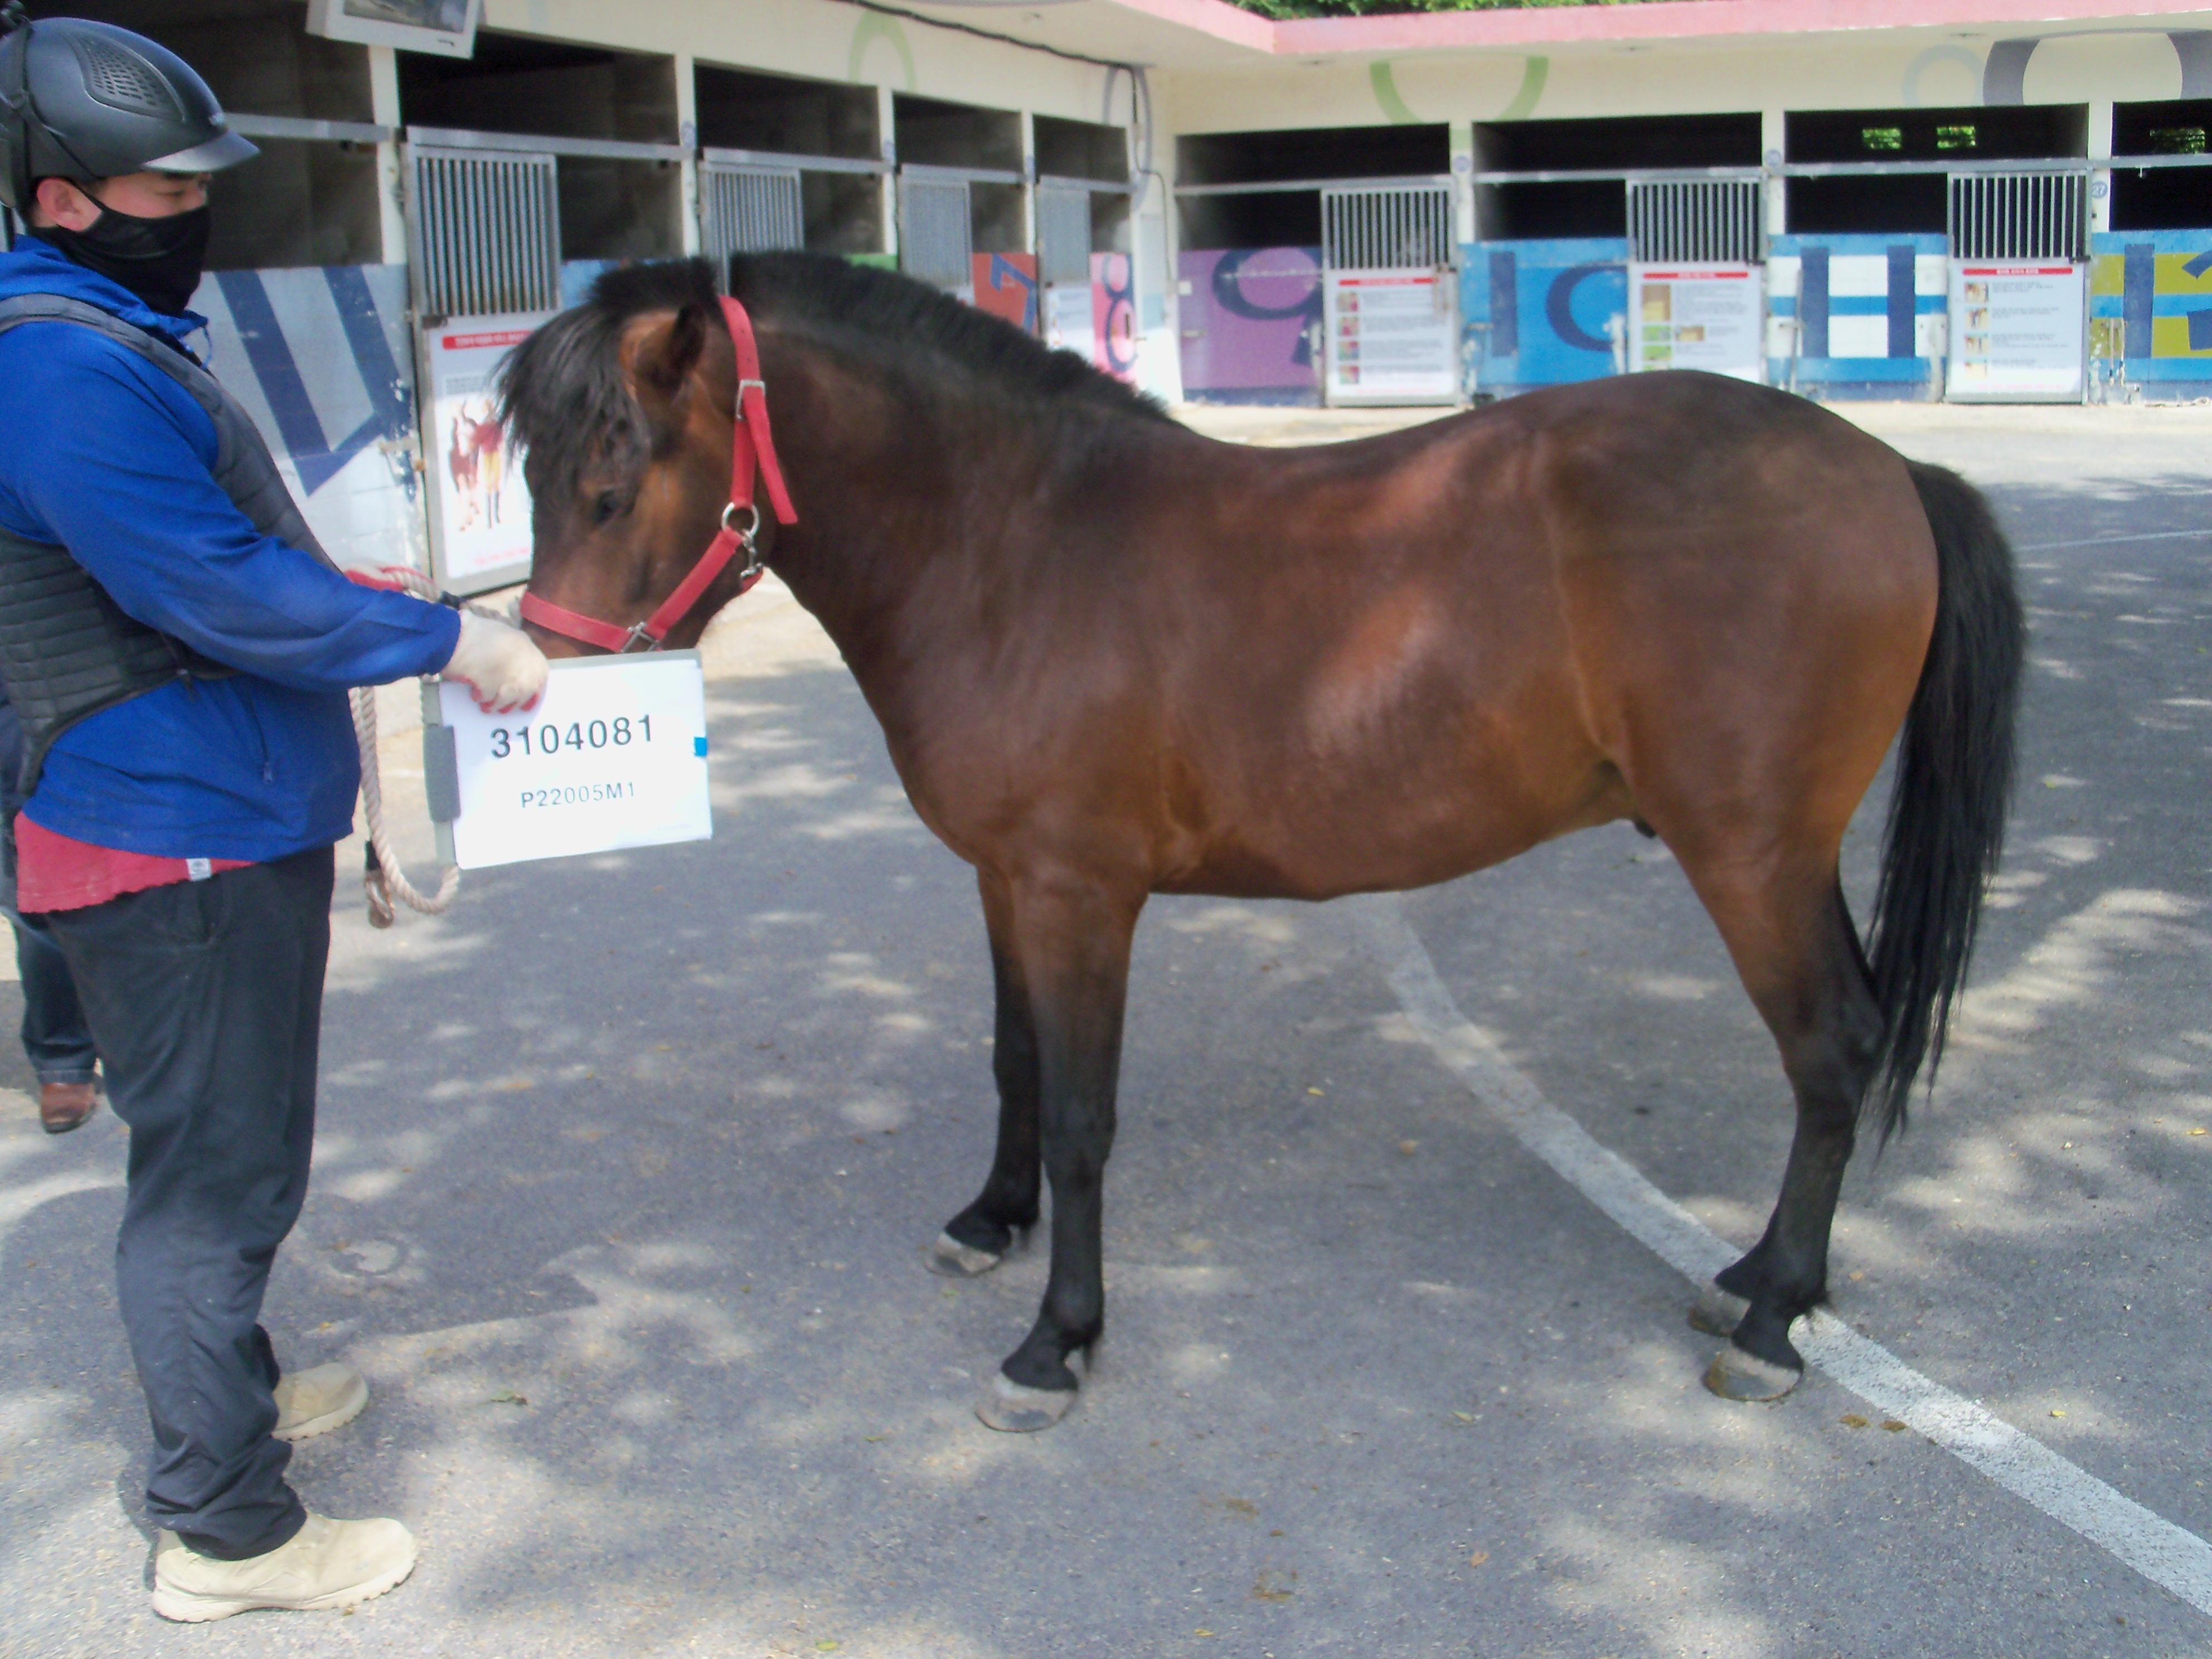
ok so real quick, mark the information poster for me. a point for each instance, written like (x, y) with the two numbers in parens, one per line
(1068, 325)
(2017, 332)
(479, 506)
(1699, 316)
(1392, 336)
(614, 756)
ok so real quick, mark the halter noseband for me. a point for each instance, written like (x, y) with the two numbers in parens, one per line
(749, 454)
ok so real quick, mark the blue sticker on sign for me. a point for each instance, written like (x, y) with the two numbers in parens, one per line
(699, 747)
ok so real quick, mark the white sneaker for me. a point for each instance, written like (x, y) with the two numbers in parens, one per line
(315, 1401)
(326, 1565)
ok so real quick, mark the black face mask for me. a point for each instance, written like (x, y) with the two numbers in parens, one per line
(159, 260)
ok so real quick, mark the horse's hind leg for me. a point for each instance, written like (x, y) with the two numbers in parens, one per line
(1794, 945)
(977, 1239)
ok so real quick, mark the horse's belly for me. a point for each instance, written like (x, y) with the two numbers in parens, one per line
(1382, 834)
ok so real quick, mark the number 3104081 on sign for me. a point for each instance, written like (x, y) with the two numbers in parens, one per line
(614, 756)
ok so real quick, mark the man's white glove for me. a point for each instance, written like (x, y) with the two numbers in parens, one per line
(501, 666)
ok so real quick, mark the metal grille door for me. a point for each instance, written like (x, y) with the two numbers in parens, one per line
(1063, 223)
(1694, 220)
(2020, 216)
(749, 209)
(936, 238)
(1386, 227)
(487, 230)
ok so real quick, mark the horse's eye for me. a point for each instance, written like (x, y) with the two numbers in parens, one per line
(608, 506)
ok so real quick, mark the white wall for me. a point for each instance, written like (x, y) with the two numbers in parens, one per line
(1890, 70)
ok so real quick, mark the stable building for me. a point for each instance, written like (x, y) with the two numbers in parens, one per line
(1896, 198)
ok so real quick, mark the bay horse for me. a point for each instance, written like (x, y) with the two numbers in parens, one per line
(1112, 658)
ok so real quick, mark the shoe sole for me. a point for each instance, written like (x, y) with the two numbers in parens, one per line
(337, 1418)
(189, 1607)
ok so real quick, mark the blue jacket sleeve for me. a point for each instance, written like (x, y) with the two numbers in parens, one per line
(122, 478)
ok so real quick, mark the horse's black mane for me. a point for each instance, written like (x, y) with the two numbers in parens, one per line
(563, 400)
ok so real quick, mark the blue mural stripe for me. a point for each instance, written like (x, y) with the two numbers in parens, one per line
(1003, 270)
(2200, 331)
(372, 350)
(390, 415)
(1903, 258)
(1813, 303)
(271, 357)
(1505, 304)
(2139, 287)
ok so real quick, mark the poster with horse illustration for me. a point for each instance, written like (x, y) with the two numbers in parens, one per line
(480, 508)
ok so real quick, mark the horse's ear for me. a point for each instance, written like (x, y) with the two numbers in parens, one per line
(659, 351)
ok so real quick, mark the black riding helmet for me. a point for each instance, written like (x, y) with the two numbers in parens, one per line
(85, 101)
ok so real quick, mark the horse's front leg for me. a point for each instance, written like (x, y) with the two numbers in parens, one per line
(977, 1239)
(1071, 946)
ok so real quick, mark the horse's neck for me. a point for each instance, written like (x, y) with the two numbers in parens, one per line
(885, 505)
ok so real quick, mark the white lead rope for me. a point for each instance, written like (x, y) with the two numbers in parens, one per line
(385, 879)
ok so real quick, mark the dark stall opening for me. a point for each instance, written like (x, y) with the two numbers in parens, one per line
(2173, 127)
(1111, 221)
(1873, 203)
(1868, 204)
(843, 212)
(1618, 142)
(2161, 198)
(1536, 212)
(296, 205)
(1273, 218)
(255, 55)
(931, 132)
(740, 109)
(542, 89)
(996, 222)
(1253, 158)
(615, 209)
(2019, 132)
(1080, 149)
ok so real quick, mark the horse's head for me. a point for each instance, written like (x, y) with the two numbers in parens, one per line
(626, 410)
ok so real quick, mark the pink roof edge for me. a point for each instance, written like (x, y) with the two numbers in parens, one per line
(1654, 20)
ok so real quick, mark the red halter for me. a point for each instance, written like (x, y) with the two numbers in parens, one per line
(749, 453)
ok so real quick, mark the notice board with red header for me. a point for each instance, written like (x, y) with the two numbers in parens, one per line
(1708, 316)
(2019, 331)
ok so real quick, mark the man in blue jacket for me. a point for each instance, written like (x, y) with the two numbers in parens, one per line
(178, 649)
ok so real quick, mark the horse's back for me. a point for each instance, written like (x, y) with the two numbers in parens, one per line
(1389, 661)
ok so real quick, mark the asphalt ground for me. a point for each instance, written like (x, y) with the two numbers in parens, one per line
(626, 1168)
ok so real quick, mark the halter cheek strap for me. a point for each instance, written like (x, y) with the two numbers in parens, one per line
(752, 452)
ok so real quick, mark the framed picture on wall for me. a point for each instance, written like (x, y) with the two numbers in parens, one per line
(447, 28)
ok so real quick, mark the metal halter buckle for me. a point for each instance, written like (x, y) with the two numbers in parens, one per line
(753, 565)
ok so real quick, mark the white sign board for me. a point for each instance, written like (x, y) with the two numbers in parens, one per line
(1068, 325)
(1711, 317)
(1392, 335)
(479, 507)
(614, 756)
(2017, 332)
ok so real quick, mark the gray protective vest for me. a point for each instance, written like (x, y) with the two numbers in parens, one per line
(67, 649)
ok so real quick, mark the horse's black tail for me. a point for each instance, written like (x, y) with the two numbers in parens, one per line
(1954, 768)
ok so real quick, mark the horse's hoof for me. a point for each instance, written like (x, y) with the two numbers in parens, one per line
(1735, 1375)
(1014, 1407)
(1717, 1312)
(950, 1259)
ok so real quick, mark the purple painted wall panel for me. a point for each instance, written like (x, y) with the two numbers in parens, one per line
(1247, 320)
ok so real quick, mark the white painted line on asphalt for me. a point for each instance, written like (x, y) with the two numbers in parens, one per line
(2161, 1551)
(2114, 541)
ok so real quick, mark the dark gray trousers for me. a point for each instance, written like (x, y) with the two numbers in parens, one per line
(206, 999)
